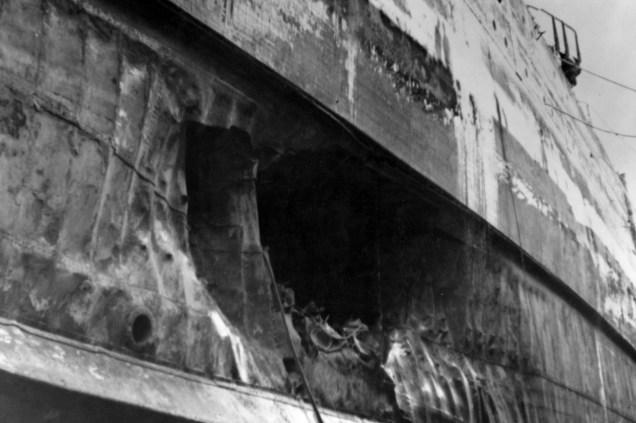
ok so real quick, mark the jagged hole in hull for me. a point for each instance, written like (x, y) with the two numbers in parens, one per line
(337, 231)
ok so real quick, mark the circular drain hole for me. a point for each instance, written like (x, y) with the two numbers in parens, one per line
(140, 328)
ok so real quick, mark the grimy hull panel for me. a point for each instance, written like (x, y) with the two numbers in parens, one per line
(484, 61)
(449, 247)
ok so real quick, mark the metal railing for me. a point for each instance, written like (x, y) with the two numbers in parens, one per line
(563, 35)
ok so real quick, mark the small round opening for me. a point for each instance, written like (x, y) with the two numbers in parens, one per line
(141, 329)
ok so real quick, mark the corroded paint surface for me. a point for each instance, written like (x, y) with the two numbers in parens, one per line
(93, 219)
(349, 56)
(107, 125)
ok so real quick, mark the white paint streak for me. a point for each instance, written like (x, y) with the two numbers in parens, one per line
(131, 86)
(350, 66)
(59, 353)
(599, 358)
(242, 358)
(525, 193)
(94, 371)
(222, 328)
(317, 13)
(5, 337)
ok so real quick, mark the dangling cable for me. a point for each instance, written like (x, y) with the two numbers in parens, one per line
(291, 344)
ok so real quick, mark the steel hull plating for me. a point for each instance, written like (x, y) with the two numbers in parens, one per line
(401, 159)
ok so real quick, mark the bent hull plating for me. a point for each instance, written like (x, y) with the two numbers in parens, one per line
(398, 158)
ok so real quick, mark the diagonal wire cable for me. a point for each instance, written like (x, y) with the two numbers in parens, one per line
(611, 81)
(607, 131)
(279, 303)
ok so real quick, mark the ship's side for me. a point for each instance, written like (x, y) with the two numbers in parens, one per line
(410, 165)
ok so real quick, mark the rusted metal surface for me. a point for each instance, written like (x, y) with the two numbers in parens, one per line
(344, 55)
(462, 317)
(134, 172)
(93, 218)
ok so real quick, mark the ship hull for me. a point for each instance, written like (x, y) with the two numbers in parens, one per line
(395, 156)
(48, 378)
